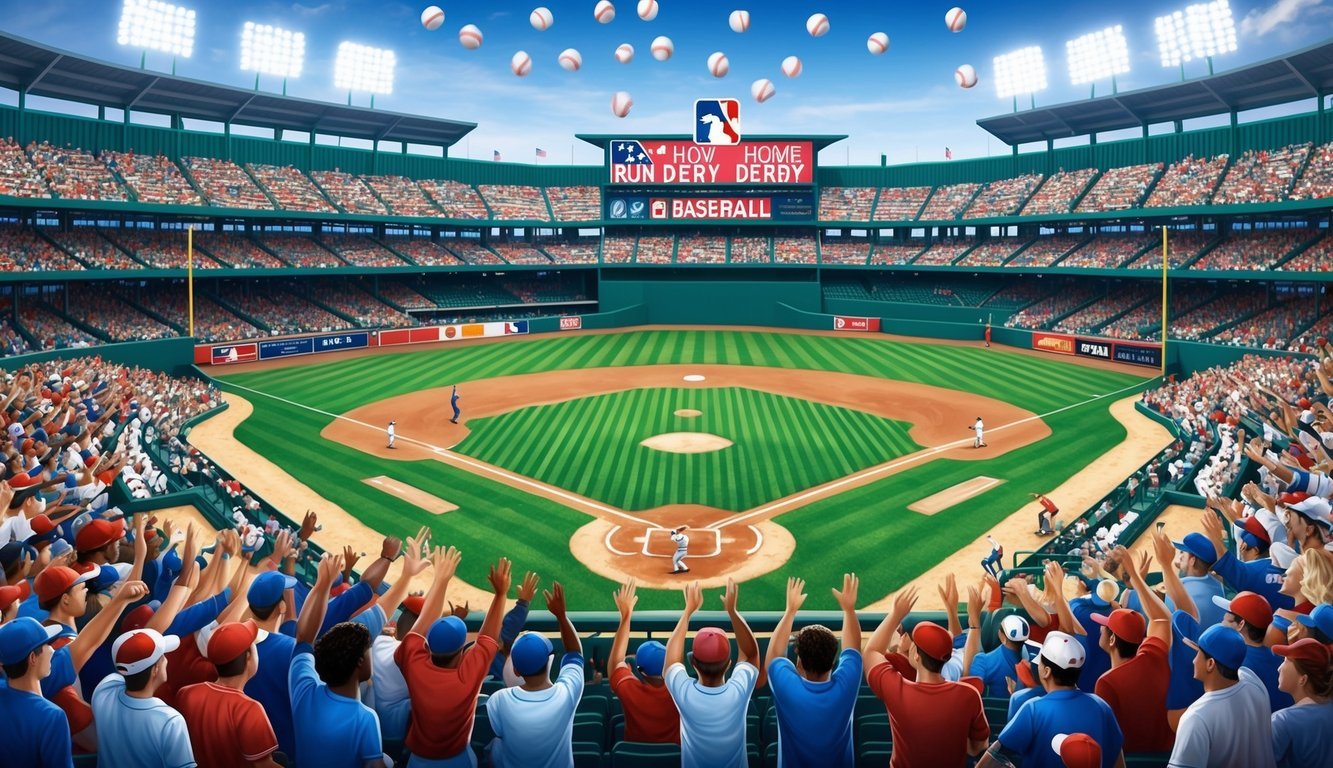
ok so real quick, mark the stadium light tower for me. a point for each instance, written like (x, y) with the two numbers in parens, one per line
(1201, 31)
(157, 26)
(363, 68)
(1023, 71)
(1097, 56)
(269, 50)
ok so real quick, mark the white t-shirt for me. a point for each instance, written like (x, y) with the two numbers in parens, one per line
(682, 541)
(16, 528)
(712, 720)
(1221, 728)
(391, 700)
(535, 729)
(138, 733)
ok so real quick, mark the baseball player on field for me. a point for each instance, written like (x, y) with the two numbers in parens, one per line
(682, 549)
(391, 432)
(453, 403)
(979, 428)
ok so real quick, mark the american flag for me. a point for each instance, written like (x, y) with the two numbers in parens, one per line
(541, 152)
(495, 155)
(948, 154)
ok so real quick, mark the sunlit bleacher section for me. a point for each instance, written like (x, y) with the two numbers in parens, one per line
(300, 250)
(1182, 248)
(1109, 251)
(1048, 310)
(402, 196)
(579, 203)
(354, 302)
(751, 250)
(515, 202)
(1004, 197)
(278, 310)
(361, 251)
(1045, 251)
(900, 203)
(423, 251)
(1058, 193)
(1317, 258)
(25, 250)
(795, 250)
(655, 249)
(1254, 250)
(1190, 181)
(225, 184)
(846, 203)
(455, 199)
(1316, 181)
(237, 250)
(895, 254)
(75, 174)
(701, 249)
(844, 251)
(349, 193)
(1120, 188)
(1262, 176)
(948, 203)
(582, 252)
(471, 251)
(291, 188)
(160, 249)
(1195, 323)
(1121, 298)
(1272, 328)
(100, 306)
(89, 247)
(50, 329)
(944, 252)
(618, 249)
(18, 176)
(520, 253)
(152, 178)
(1144, 319)
(993, 252)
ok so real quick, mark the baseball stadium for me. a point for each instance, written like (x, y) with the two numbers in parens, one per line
(1045, 428)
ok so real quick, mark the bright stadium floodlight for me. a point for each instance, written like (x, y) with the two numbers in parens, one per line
(363, 68)
(1020, 72)
(1097, 56)
(1201, 31)
(270, 50)
(157, 26)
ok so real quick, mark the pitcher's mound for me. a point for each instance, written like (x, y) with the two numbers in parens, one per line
(686, 442)
(688, 413)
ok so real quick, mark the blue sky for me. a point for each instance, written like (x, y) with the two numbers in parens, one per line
(904, 104)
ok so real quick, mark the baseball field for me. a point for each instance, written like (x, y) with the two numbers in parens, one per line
(785, 452)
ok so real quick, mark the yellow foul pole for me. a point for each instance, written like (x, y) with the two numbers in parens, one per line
(1164, 328)
(189, 274)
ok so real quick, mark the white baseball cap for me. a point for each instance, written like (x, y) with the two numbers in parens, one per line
(135, 651)
(1062, 650)
(1282, 554)
(1015, 628)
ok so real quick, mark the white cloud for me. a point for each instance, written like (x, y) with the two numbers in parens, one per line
(309, 11)
(1262, 21)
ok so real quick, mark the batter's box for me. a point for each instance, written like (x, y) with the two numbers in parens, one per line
(665, 547)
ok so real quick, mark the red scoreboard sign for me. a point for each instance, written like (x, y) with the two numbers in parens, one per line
(649, 161)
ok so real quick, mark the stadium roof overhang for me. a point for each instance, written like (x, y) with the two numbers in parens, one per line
(39, 70)
(1305, 74)
(602, 139)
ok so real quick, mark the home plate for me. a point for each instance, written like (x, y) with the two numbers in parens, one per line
(694, 377)
(954, 494)
(414, 496)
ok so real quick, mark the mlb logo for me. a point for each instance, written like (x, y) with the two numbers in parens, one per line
(717, 121)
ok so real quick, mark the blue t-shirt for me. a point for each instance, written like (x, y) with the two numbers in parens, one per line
(1183, 690)
(269, 688)
(341, 608)
(332, 731)
(1096, 661)
(1264, 663)
(1303, 736)
(1260, 576)
(36, 731)
(1021, 697)
(1064, 711)
(1202, 589)
(815, 719)
(62, 673)
(994, 666)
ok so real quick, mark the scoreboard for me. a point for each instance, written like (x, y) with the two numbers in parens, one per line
(639, 205)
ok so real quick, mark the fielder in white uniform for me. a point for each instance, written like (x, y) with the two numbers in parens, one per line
(979, 429)
(391, 432)
(682, 549)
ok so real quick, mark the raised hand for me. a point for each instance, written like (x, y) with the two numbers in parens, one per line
(446, 562)
(390, 548)
(903, 603)
(795, 594)
(949, 593)
(731, 595)
(308, 524)
(851, 586)
(626, 598)
(460, 611)
(349, 560)
(499, 577)
(413, 561)
(555, 599)
(694, 598)
(975, 602)
(527, 589)
(329, 567)
(130, 592)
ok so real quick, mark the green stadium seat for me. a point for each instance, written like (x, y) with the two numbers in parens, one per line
(590, 732)
(587, 755)
(1147, 759)
(771, 755)
(85, 761)
(394, 749)
(997, 714)
(629, 754)
(491, 686)
(755, 756)
(868, 704)
(768, 728)
(873, 753)
(594, 703)
(873, 728)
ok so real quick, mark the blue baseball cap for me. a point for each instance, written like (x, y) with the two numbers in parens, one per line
(267, 588)
(22, 636)
(650, 657)
(1321, 618)
(1224, 644)
(446, 635)
(1198, 545)
(529, 653)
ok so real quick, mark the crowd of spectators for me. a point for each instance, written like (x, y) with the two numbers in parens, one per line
(1190, 181)
(1045, 251)
(751, 250)
(357, 303)
(292, 189)
(1194, 324)
(1262, 176)
(99, 306)
(948, 202)
(74, 174)
(280, 311)
(1254, 250)
(1003, 197)
(300, 250)
(402, 196)
(456, 199)
(18, 176)
(1139, 322)
(225, 184)
(1119, 189)
(846, 203)
(1316, 180)
(993, 252)
(471, 251)
(52, 331)
(11, 341)
(1307, 340)
(349, 192)
(844, 251)
(944, 251)
(160, 249)
(1059, 192)
(1090, 318)
(361, 250)
(237, 250)
(520, 253)
(152, 178)
(211, 321)
(1108, 251)
(1316, 258)
(1273, 328)
(1181, 248)
(403, 296)
(423, 251)
(1048, 310)
(1017, 295)
(655, 249)
(582, 203)
(701, 249)
(795, 250)
(900, 203)
(25, 250)
(617, 250)
(896, 254)
(91, 248)
(515, 202)
(584, 252)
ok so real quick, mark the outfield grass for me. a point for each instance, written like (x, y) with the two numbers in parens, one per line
(781, 445)
(867, 529)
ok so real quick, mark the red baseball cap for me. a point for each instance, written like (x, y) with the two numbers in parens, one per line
(711, 646)
(1077, 750)
(136, 651)
(230, 640)
(1257, 529)
(414, 604)
(933, 640)
(1125, 624)
(139, 617)
(56, 580)
(9, 595)
(1306, 649)
(1250, 606)
(97, 534)
(1293, 498)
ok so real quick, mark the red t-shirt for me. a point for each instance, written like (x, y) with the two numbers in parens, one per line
(227, 728)
(444, 700)
(186, 666)
(650, 714)
(1049, 505)
(1037, 632)
(1136, 691)
(932, 723)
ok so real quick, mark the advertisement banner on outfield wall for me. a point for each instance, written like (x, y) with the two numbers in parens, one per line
(571, 323)
(1138, 354)
(1053, 342)
(843, 323)
(1098, 348)
(272, 349)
